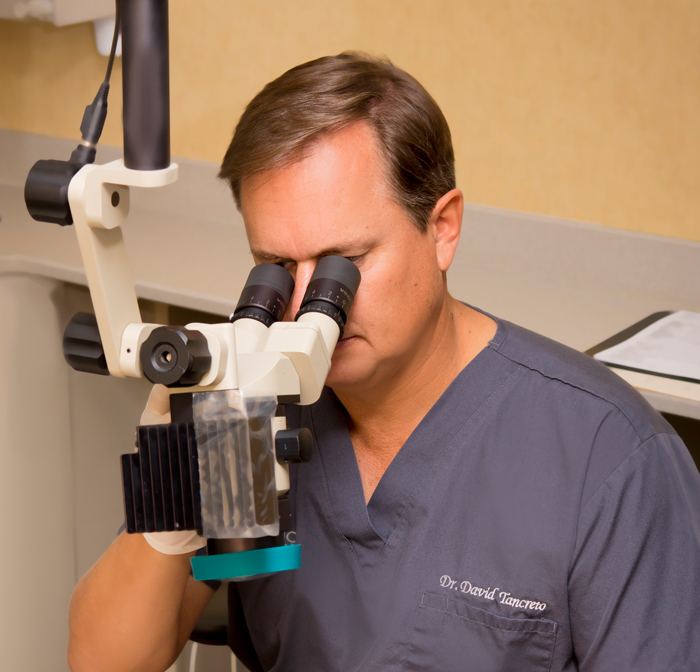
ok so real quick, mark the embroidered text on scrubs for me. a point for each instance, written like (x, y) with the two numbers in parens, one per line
(489, 593)
(505, 598)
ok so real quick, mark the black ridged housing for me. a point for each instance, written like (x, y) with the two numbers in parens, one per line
(161, 480)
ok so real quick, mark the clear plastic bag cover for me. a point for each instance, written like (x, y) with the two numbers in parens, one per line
(236, 464)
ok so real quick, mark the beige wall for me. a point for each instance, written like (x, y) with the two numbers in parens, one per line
(585, 109)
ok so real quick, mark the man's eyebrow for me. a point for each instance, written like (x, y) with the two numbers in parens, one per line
(264, 256)
(340, 251)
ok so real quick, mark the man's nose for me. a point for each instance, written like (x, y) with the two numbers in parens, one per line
(301, 280)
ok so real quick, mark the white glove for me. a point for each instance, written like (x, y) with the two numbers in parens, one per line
(175, 543)
(157, 412)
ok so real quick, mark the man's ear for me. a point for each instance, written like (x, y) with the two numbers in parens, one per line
(446, 225)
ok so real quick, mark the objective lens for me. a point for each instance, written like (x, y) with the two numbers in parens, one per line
(266, 294)
(331, 290)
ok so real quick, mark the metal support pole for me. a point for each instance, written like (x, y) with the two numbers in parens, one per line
(145, 77)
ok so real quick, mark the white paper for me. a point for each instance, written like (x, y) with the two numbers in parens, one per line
(670, 347)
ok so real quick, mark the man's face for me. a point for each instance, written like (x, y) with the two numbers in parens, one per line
(336, 201)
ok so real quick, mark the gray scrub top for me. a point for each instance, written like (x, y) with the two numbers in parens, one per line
(542, 517)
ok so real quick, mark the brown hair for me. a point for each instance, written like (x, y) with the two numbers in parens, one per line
(323, 96)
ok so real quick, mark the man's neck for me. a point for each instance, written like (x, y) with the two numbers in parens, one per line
(381, 419)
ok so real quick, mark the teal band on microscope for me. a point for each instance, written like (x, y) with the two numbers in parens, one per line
(246, 563)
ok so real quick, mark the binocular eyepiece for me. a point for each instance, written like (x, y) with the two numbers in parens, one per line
(179, 357)
(269, 289)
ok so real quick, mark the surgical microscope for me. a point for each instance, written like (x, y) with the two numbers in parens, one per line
(221, 466)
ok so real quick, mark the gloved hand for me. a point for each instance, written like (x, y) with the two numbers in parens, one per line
(157, 412)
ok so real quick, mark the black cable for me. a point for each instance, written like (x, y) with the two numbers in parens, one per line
(96, 113)
(115, 39)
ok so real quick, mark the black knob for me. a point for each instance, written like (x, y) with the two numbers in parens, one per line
(46, 191)
(175, 356)
(294, 445)
(82, 346)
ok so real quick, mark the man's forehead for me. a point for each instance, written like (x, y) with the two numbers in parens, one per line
(324, 173)
(330, 202)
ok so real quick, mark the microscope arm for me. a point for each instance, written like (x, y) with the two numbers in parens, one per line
(99, 202)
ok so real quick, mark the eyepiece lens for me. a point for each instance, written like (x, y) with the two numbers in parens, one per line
(266, 294)
(332, 289)
(340, 269)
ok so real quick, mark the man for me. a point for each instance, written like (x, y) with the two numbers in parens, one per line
(481, 498)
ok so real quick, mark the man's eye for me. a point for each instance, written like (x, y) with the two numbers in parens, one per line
(356, 259)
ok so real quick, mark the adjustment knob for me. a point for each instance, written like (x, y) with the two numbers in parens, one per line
(46, 191)
(82, 346)
(175, 356)
(294, 445)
